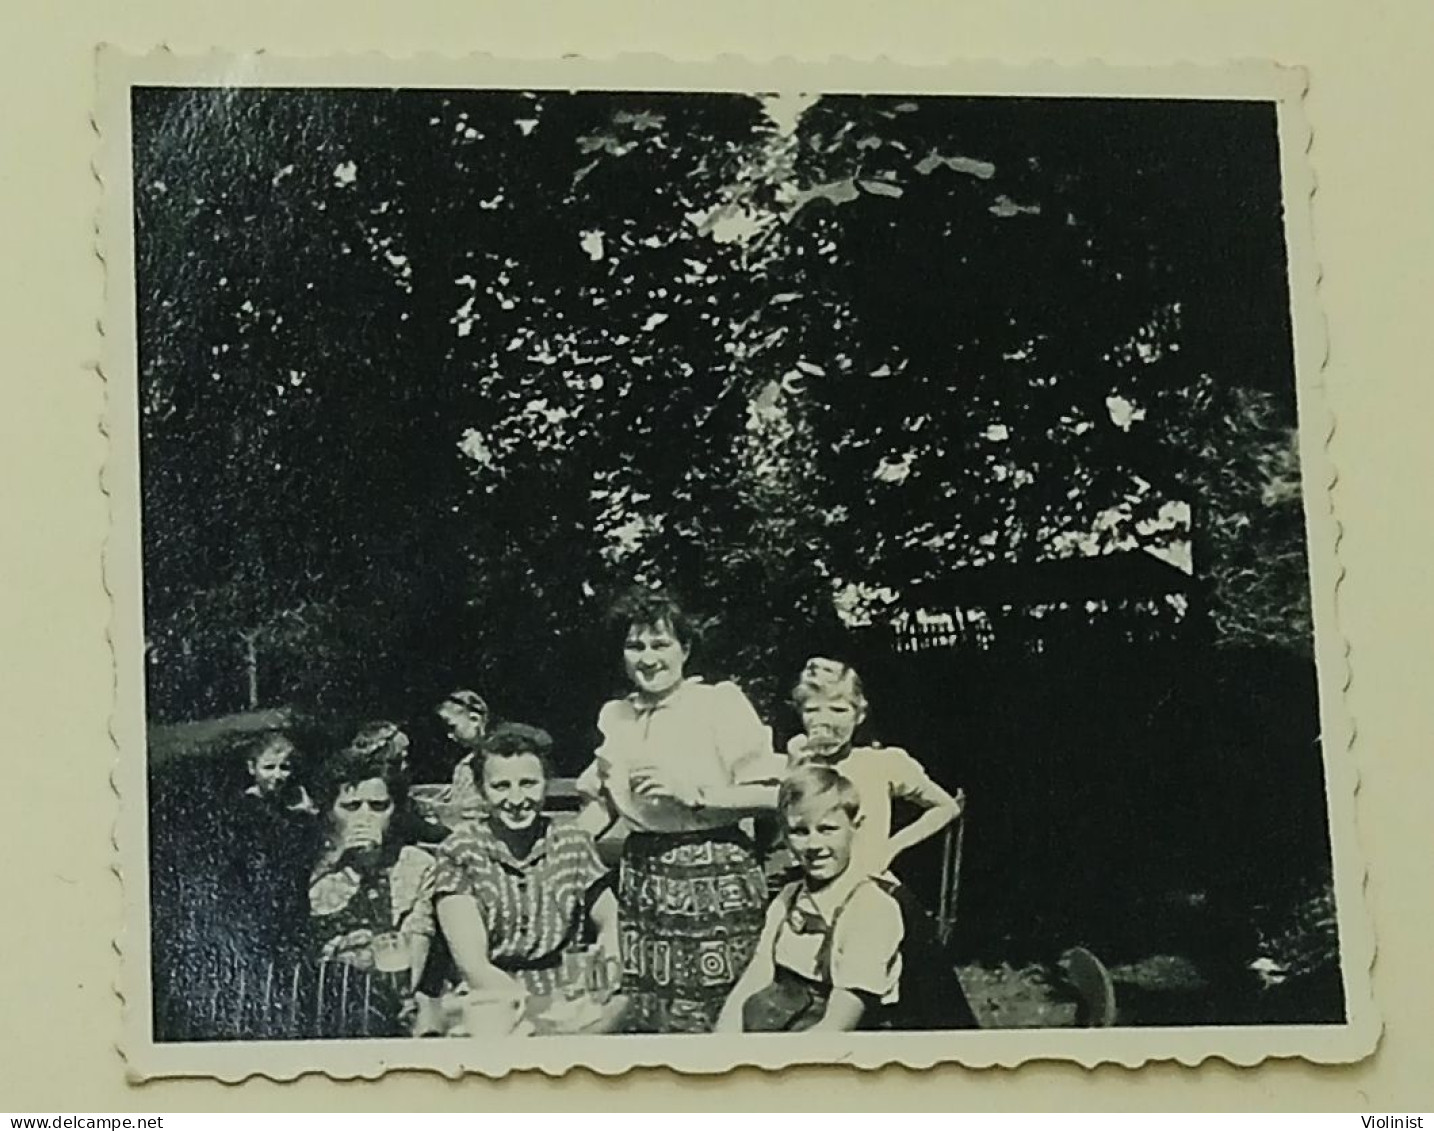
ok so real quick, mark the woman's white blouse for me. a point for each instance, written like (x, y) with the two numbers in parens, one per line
(706, 735)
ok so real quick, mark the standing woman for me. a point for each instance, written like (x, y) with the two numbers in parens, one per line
(683, 762)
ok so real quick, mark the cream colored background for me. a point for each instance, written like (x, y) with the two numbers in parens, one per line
(1374, 156)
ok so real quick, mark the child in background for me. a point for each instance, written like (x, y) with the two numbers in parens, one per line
(270, 762)
(829, 957)
(264, 846)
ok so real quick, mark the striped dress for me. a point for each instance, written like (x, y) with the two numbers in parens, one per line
(534, 908)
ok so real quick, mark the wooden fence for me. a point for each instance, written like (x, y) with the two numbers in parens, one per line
(220, 993)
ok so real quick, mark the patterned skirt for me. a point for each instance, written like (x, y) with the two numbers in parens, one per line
(691, 908)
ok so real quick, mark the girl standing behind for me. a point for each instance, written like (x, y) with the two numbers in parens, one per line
(465, 716)
(683, 763)
(832, 705)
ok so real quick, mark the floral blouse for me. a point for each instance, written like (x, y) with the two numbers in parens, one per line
(361, 918)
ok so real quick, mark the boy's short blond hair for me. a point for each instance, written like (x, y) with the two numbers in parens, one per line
(809, 783)
(828, 679)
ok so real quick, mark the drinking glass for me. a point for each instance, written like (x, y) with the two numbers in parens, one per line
(573, 976)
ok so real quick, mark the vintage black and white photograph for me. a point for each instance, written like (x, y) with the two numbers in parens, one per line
(619, 562)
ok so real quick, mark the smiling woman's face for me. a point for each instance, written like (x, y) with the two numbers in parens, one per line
(654, 659)
(514, 788)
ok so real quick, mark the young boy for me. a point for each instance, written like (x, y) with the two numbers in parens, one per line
(829, 957)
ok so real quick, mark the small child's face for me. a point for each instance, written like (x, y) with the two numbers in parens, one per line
(830, 721)
(819, 834)
(272, 769)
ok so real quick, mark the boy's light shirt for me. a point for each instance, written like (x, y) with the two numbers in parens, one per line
(865, 950)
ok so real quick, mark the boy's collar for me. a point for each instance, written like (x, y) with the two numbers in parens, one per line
(828, 898)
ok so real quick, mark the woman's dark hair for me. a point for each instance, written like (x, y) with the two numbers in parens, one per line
(350, 767)
(647, 608)
(509, 740)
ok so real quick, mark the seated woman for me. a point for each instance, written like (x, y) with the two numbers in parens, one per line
(829, 957)
(388, 742)
(514, 890)
(370, 901)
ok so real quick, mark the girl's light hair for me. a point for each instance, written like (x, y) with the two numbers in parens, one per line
(378, 738)
(469, 701)
(828, 679)
(809, 783)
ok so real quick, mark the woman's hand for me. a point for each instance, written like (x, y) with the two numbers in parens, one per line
(658, 784)
(604, 917)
